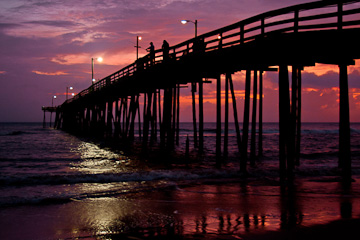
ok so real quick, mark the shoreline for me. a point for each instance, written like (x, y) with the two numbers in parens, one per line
(216, 210)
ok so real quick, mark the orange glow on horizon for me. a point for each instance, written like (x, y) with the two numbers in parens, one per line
(310, 90)
(321, 69)
(115, 59)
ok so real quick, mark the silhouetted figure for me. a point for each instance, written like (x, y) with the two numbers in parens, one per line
(165, 48)
(151, 50)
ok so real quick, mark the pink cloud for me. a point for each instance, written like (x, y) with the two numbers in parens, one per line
(57, 73)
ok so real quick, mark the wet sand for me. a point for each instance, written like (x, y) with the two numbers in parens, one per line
(225, 209)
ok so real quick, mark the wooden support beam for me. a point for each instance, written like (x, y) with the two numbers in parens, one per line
(344, 125)
(138, 112)
(109, 118)
(295, 132)
(260, 144)
(144, 113)
(133, 109)
(340, 16)
(236, 121)
(226, 123)
(193, 90)
(165, 134)
(201, 116)
(124, 115)
(50, 119)
(87, 121)
(121, 129)
(298, 120)
(178, 114)
(169, 131)
(291, 132)
(56, 119)
(128, 117)
(243, 160)
(174, 112)
(253, 122)
(147, 119)
(116, 121)
(159, 106)
(103, 119)
(93, 118)
(154, 118)
(44, 121)
(218, 122)
(284, 117)
(159, 97)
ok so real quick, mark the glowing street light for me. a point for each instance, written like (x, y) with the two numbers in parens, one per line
(52, 105)
(52, 101)
(194, 22)
(138, 38)
(67, 90)
(99, 59)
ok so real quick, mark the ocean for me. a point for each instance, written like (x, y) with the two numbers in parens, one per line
(54, 185)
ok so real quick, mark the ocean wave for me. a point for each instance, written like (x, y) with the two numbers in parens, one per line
(52, 179)
(43, 196)
(353, 130)
(36, 160)
(15, 133)
(262, 169)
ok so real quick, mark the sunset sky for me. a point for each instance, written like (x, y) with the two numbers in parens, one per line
(47, 45)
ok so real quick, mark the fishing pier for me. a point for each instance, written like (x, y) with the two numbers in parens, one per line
(296, 36)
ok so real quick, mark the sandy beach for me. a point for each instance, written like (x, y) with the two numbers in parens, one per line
(228, 209)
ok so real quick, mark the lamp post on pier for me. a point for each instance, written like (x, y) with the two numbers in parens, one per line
(52, 105)
(52, 100)
(137, 46)
(67, 90)
(194, 22)
(193, 90)
(99, 59)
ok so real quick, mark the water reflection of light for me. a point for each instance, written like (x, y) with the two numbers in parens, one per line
(97, 160)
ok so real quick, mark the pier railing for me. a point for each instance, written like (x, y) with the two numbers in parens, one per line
(314, 16)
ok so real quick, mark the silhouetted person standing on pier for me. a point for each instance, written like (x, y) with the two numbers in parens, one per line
(151, 50)
(165, 48)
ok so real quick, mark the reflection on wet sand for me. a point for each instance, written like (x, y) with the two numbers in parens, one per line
(229, 210)
(226, 209)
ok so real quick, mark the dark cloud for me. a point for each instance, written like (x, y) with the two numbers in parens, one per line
(53, 23)
(4, 26)
(33, 4)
